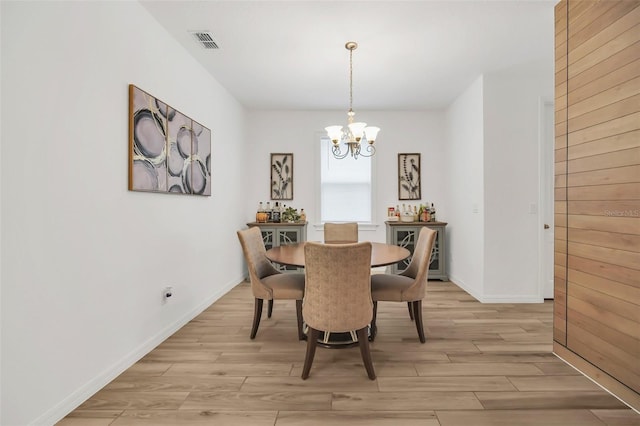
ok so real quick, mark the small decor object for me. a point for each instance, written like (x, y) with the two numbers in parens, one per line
(282, 176)
(409, 187)
(168, 151)
(290, 215)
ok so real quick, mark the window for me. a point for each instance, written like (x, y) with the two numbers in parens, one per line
(345, 187)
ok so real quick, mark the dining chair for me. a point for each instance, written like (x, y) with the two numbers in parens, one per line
(409, 286)
(267, 283)
(329, 304)
(341, 233)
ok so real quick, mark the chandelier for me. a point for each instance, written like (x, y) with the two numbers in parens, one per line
(355, 134)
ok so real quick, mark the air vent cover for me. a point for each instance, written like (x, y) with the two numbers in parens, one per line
(205, 39)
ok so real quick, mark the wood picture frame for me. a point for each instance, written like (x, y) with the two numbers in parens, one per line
(409, 185)
(281, 183)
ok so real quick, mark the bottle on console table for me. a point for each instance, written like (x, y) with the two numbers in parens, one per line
(258, 216)
(269, 212)
(275, 215)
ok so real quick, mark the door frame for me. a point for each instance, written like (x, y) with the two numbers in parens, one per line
(545, 192)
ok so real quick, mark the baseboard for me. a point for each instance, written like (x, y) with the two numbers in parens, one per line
(457, 281)
(512, 299)
(74, 400)
(495, 299)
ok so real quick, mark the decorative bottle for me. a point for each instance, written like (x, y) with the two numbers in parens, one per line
(275, 215)
(433, 213)
(269, 212)
(258, 215)
(303, 216)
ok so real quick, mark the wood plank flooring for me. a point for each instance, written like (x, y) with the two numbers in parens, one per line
(482, 364)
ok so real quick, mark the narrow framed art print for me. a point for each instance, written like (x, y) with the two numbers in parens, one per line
(281, 176)
(409, 187)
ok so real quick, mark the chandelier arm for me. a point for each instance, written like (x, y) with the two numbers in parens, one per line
(337, 153)
(370, 151)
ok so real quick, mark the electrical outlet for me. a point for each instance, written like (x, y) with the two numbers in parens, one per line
(167, 294)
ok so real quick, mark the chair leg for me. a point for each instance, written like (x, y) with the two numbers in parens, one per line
(257, 314)
(366, 353)
(270, 308)
(410, 307)
(301, 335)
(312, 340)
(417, 313)
(374, 327)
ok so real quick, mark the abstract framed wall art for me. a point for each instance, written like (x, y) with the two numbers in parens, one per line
(409, 187)
(168, 151)
(281, 176)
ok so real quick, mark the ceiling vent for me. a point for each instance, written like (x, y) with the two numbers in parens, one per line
(205, 40)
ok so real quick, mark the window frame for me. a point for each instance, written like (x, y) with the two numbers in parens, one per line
(321, 137)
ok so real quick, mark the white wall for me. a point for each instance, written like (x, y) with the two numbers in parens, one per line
(511, 172)
(493, 184)
(83, 259)
(299, 131)
(464, 202)
(1, 221)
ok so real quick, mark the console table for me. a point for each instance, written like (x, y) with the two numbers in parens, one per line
(405, 234)
(280, 234)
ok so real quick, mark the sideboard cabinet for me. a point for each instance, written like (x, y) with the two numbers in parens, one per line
(280, 234)
(405, 234)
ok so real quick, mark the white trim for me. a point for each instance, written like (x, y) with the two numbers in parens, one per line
(367, 227)
(534, 298)
(498, 298)
(543, 101)
(463, 286)
(73, 401)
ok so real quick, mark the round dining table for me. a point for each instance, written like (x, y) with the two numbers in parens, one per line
(381, 255)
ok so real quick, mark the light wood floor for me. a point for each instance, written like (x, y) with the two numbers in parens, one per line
(482, 364)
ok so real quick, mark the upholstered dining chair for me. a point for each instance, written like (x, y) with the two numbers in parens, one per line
(267, 283)
(409, 286)
(329, 304)
(341, 233)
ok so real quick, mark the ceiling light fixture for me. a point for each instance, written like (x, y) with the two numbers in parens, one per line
(355, 133)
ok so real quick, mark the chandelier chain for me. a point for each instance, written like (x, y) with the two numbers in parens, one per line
(350, 79)
(354, 133)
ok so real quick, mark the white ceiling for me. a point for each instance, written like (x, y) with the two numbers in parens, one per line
(412, 55)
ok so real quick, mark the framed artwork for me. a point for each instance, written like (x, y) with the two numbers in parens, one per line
(168, 151)
(409, 187)
(281, 176)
